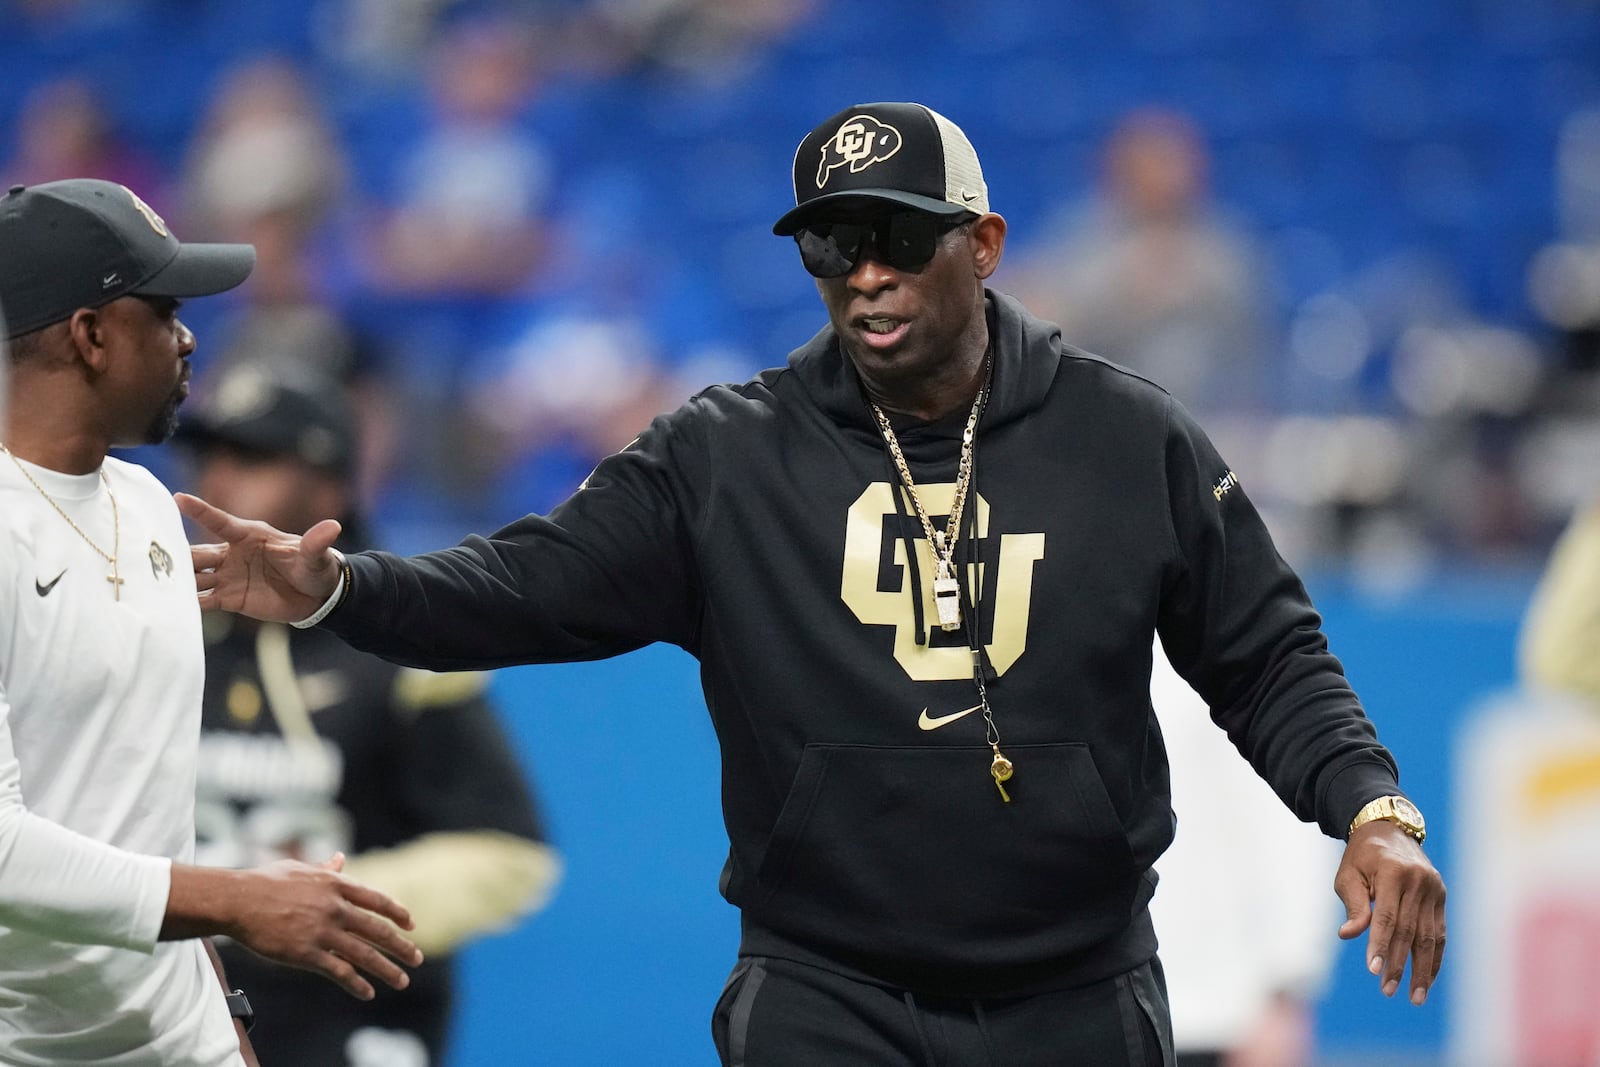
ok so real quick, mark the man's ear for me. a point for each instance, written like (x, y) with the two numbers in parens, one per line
(988, 237)
(86, 330)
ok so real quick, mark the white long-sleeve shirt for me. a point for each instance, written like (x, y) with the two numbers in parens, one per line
(99, 729)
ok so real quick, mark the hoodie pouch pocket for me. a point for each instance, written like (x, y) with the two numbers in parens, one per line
(893, 850)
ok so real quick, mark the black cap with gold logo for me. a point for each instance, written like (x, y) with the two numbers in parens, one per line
(83, 242)
(885, 155)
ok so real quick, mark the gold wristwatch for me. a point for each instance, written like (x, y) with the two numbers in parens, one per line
(1395, 809)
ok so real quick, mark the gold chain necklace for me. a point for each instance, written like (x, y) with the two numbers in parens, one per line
(946, 589)
(115, 578)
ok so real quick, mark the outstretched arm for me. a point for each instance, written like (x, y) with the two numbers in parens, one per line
(1389, 887)
(258, 570)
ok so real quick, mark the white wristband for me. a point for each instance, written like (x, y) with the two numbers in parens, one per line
(333, 599)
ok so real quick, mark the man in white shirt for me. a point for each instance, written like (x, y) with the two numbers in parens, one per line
(101, 667)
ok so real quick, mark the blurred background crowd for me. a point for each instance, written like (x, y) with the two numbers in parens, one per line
(1362, 239)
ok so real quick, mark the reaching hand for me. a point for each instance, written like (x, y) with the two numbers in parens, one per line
(1388, 883)
(314, 917)
(306, 915)
(258, 570)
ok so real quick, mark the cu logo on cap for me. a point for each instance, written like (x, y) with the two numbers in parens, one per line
(144, 209)
(860, 143)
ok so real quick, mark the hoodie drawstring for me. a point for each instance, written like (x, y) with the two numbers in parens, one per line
(978, 1014)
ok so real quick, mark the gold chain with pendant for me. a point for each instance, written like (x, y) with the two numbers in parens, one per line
(946, 589)
(115, 577)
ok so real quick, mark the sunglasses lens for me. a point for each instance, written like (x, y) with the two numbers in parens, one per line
(830, 250)
(905, 241)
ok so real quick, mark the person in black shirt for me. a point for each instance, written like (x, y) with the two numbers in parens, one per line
(310, 747)
(922, 567)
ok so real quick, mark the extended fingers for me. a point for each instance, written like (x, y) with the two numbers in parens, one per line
(1427, 955)
(1407, 921)
(357, 943)
(383, 935)
(342, 973)
(212, 519)
(361, 954)
(377, 902)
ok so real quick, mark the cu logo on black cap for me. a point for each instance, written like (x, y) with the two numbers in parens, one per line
(859, 143)
(149, 214)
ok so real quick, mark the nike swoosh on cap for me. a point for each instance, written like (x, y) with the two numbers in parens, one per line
(928, 722)
(44, 590)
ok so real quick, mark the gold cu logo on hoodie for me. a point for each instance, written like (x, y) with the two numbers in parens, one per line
(864, 546)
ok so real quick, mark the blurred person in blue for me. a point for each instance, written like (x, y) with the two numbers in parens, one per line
(309, 746)
(104, 913)
(922, 566)
(1246, 932)
(456, 229)
(624, 336)
(1148, 273)
(469, 212)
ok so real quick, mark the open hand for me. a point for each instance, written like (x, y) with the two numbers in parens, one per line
(313, 917)
(258, 570)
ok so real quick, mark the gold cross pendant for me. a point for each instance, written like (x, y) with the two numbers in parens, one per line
(117, 583)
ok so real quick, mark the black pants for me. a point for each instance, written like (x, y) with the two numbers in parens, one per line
(777, 1013)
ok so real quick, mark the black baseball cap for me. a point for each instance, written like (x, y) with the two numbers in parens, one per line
(83, 242)
(274, 411)
(894, 154)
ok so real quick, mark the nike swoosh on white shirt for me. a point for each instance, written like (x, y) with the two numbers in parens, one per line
(928, 722)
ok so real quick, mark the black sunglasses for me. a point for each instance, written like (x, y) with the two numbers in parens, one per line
(905, 240)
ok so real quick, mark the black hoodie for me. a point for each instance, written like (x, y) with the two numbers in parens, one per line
(757, 527)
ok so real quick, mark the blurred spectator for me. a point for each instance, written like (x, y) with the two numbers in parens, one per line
(263, 149)
(309, 746)
(469, 214)
(266, 168)
(621, 336)
(377, 38)
(1147, 274)
(575, 387)
(1247, 921)
(63, 131)
(1564, 278)
(701, 39)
